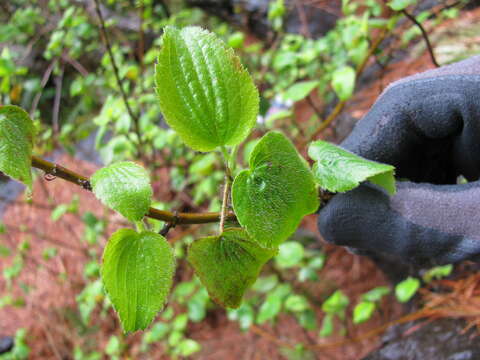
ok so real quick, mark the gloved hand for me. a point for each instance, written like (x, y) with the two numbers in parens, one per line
(428, 127)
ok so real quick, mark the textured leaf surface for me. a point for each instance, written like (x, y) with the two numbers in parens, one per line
(338, 170)
(228, 264)
(16, 142)
(137, 272)
(124, 187)
(205, 93)
(271, 198)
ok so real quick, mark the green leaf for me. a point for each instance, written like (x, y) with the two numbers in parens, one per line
(343, 82)
(236, 40)
(269, 309)
(376, 294)
(296, 303)
(363, 312)
(244, 315)
(406, 289)
(271, 198)
(290, 254)
(327, 326)
(124, 187)
(336, 303)
(338, 170)
(265, 283)
(205, 93)
(158, 331)
(399, 5)
(437, 272)
(300, 90)
(307, 319)
(228, 264)
(188, 347)
(16, 143)
(137, 272)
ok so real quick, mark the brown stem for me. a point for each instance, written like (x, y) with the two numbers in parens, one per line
(414, 20)
(224, 212)
(55, 170)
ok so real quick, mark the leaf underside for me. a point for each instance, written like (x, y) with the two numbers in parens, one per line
(205, 93)
(137, 272)
(228, 264)
(16, 142)
(338, 170)
(124, 187)
(271, 198)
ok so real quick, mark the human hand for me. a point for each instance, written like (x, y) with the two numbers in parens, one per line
(428, 127)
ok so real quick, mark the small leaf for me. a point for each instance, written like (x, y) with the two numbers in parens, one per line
(296, 303)
(363, 312)
(137, 272)
(228, 264)
(376, 294)
(343, 82)
(338, 170)
(300, 90)
(271, 198)
(269, 309)
(16, 142)
(437, 272)
(336, 303)
(399, 5)
(406, 289)
(245, 316)
(188, 347)
(290, 254)
(205, 94)
(327, 326)
(124, 187)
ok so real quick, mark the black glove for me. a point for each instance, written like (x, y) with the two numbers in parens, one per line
(6, 344)
(428, 127)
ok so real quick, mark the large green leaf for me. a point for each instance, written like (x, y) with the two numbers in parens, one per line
(205, 93)
(228, 264)
(124, 187)
(339, 170)
(271, 198)
(16, 142)
(137, 272)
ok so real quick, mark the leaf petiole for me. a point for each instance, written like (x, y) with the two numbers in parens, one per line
(140, 226)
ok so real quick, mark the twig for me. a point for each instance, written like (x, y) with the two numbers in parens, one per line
(424, 35)
(80, 180)
(314, 107)
(223, 213)
(78, 66)
(46, 76)
(226, 190)
(169, 225)
(303, 19)
(56, 103)
(116, 72)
